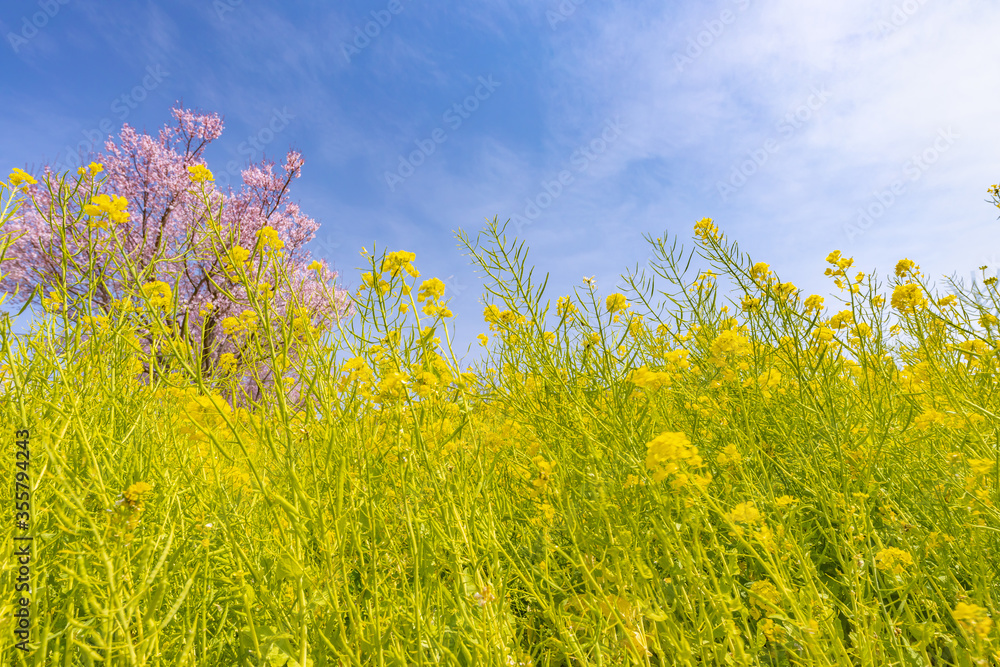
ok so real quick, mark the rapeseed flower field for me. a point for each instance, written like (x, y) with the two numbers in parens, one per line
(708, 468)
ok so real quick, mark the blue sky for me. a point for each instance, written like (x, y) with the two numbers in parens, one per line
(589, 123)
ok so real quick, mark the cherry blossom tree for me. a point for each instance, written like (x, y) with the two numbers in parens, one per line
(158, 222)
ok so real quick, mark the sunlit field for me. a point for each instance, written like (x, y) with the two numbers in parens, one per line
(709, 467)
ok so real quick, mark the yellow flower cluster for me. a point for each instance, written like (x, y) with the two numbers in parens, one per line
(749, 303)
(974, 619)
(246, 322)
(158, 294)
(227, 363)
(616, 302)
(730, 455)
(745, 513)
(647, 379)
(497, 318)
(893, 560)
(907, 268)
(760, 272)
(199, 173)
(133, 494)
(908, 298)
(236, 258)
(400, 260)
(565, 307)
(765, 382)
(765, 597)
(814, 303)
(706, 230)
(103, 208)
(667, 452)
(92, 170)
(729, 345)
(268, 237)
(19, 177)
(839, 273)
(841, 319)
(431, 291)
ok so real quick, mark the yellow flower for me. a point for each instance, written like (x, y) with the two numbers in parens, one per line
(315, 266)
(908, 297)
(227, 361)
(784, 290)
(750, 303)
(833, 257)
(705, 229)
(745, 513)
(431, 289)
(861, 330)
(199, 173)
(768, 380)
(230, 325)
(113, 207)
(483, 340)
(666, 451)
(19, 177)
(822, 334)
(785, 501)
(269, 237)
(491, 314)
(906, 267)
(814, 303)
(772, 631)
(158, 294)
(841, 319)
(616, 302)
(565, 307)
(133, 494)
(730, 454)
(647, 379)
(973, 619)
(947, 300)
(248, 320)
(400, 260)
(730, 342)
(760, 271)
(988, 320)
(893, 560)
(765, 597)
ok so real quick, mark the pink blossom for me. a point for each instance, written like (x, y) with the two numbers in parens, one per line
(166, 237)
